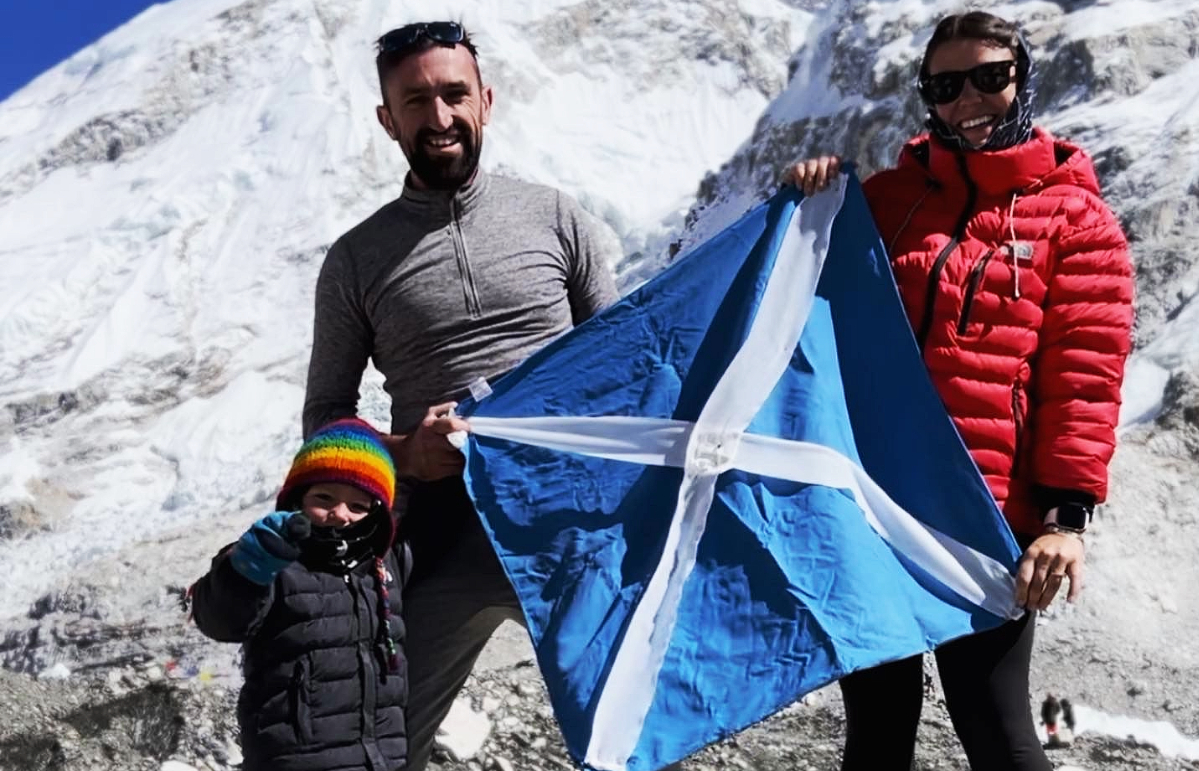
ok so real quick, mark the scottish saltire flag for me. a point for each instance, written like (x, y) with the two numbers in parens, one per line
(733, 487)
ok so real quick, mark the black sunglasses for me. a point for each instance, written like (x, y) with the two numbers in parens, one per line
(445, 32)
(988, 78)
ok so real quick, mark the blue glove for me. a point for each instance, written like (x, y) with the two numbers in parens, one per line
(271, 544)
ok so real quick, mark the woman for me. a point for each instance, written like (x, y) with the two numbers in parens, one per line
(1016, 279)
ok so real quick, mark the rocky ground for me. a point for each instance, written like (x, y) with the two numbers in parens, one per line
(140, 717)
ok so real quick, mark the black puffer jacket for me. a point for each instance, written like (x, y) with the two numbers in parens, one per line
(318, 693)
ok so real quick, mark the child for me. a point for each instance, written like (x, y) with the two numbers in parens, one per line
(312, 591)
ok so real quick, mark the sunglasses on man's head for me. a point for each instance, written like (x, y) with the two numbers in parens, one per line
(988, 78)
(447, 32)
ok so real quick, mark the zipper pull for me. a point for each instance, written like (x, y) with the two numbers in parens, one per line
(978, 278)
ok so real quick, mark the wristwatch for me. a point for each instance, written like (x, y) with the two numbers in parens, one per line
(1069, 517)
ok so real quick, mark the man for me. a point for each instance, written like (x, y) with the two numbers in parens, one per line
(465, 275)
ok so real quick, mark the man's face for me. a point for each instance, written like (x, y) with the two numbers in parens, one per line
(436, 109)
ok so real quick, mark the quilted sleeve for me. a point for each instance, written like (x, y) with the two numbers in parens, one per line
(226, 605)
(1084, 341)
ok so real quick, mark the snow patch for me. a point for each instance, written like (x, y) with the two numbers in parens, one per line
(1144, 385)
(17, 468)
(1158, 733)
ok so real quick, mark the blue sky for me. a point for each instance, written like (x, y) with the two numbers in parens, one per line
(37, 34)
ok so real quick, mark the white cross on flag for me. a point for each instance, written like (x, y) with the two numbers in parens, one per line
(733, 487)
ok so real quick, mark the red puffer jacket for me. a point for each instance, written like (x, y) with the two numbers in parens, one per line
(1016, 279)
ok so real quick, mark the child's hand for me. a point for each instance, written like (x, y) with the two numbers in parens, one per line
(271, 544)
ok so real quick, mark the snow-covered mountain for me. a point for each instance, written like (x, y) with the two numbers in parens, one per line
(1118, 77)
(166, 196)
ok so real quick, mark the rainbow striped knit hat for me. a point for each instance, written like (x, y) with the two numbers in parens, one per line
(349, 451)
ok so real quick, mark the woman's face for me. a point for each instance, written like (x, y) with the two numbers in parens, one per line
(974, 114)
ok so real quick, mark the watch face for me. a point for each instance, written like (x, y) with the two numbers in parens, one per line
(1073, 516)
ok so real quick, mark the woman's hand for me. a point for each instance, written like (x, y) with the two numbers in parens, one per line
(1046, 563)
(814, 174)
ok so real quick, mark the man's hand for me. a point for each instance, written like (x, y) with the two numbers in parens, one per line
(814, 174)
(1046, 563)
(426, 453)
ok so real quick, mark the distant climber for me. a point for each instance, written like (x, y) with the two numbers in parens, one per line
(1068, 714)
(1065, 730)
(1051, 709)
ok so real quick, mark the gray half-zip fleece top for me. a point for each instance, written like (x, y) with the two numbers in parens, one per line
(440, 288)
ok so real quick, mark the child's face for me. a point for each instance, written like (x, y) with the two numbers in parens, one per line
(331, 504)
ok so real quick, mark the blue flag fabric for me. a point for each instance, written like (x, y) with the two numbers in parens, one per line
(733, 487)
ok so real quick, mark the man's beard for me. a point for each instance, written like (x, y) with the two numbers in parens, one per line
(445, 173)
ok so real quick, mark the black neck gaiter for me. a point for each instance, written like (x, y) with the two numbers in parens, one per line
(340, 549)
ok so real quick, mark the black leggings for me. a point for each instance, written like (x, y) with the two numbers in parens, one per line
(985, 679)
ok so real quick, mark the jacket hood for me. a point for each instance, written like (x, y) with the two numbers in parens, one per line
(1042, 161)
